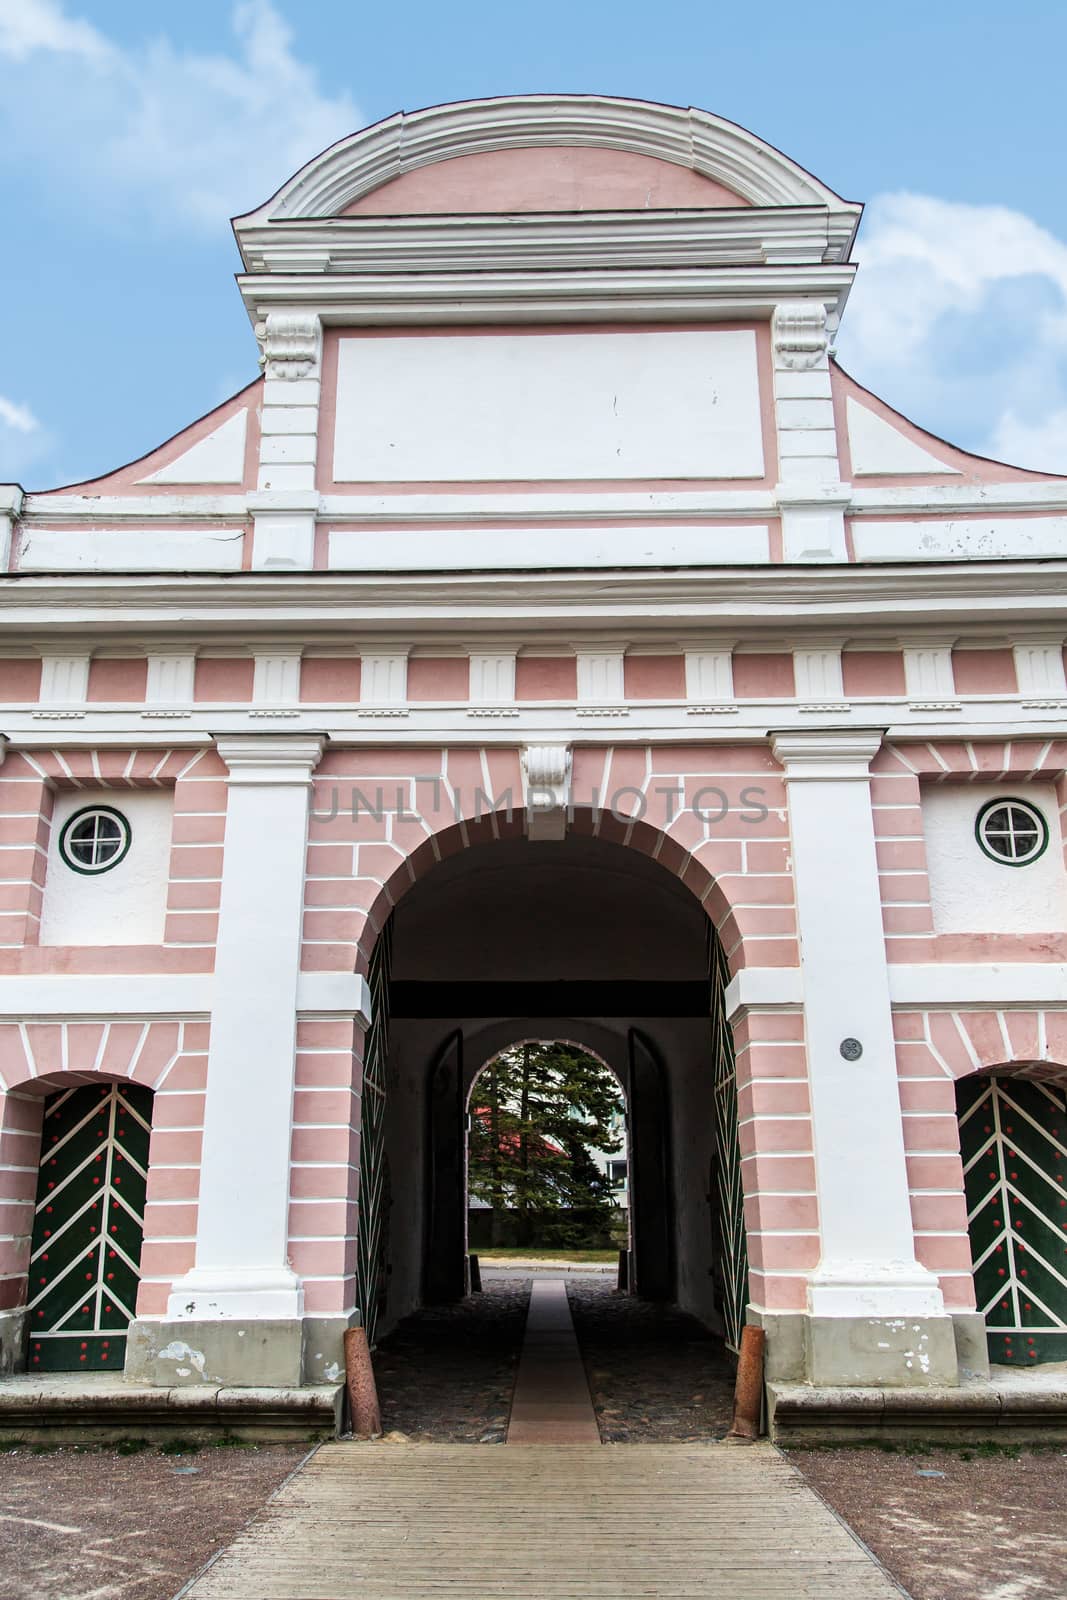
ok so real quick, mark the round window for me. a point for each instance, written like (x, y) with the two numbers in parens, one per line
(1012, 832)
(95, 839)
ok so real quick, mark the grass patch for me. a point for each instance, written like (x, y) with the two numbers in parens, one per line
(230, 1441)
(179, 1447)
(130, 1447)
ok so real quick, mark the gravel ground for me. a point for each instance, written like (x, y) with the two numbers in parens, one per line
(991, 1527)
(445, 1375)
(655, 1374)
(91, 1523)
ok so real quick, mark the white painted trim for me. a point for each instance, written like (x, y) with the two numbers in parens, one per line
(186, 995)
(399, 549)
(991, 986)
(764, 989)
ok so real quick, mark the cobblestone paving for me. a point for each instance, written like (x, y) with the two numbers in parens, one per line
(656, 1375)
(445, 1375)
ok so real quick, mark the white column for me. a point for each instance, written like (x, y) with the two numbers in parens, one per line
(10, 511)
(384, 678)
(868, 1266)
(170, 678)
(709, 675)
(276, 680)
(818, 675)
(241, 1268)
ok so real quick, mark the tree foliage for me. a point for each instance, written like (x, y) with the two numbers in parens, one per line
(538, 1111)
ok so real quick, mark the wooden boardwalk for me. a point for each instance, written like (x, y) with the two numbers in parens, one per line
(415, 1521)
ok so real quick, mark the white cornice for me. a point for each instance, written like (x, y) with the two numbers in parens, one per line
(687, 137)
(829, 598)
(707, 294)
(586, 241)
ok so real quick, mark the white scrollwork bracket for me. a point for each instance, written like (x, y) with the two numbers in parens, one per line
(800, 335)
(290, 343)
(546, 772)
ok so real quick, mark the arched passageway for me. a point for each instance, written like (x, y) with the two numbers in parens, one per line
(577, 939)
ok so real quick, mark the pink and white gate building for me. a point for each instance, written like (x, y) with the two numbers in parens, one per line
(552, 642)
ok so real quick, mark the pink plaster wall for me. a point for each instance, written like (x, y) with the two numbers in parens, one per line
(117, 679)
(984, 672)
(330, 680)
(438, 678)
(224, 678)
(546, 678)
(553, 178)
(763, 676)
(654, 677)
(872, 673)
(20, 680)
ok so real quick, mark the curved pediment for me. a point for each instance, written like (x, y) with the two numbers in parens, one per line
(738, 167)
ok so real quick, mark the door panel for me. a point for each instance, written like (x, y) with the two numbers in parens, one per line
(88, 1227)
(651, 1189)
(445, 1272)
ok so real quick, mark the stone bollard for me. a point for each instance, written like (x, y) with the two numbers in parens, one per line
(363, 1409)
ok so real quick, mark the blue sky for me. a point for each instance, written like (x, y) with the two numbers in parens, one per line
(130, 133)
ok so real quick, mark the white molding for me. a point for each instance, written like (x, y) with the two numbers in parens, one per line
(170, 678)
(290, 344)
(824, 756)
(1039, 667)
(600, 678)
(709, 676)
(269, 759)
(687, 137)
(994, 985)
(276, 678)
(456, 549)
(928, 673)
(764, 989)
(24, 997)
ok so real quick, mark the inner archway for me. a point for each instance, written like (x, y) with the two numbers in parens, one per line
(546, 1140)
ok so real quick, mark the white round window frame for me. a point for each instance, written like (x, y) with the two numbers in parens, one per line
(1032, 812)
(82, 867)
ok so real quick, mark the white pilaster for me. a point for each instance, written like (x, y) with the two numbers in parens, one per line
(492, 680)
(286, 501)
(600, 677)
(384, 678)
(817, 674)
(810, 494)
(10, 511)
(709, 676)
(170, 677)
(64, 680)
(928, 676)
(241, 1266)
(1039, 668)
(868, 1266)
(276, 680)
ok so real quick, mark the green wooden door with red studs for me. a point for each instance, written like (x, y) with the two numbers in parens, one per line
(1013, 1139)
(88, 1226)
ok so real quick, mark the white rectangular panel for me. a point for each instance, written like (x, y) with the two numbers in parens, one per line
(526, 549)
(441, 408)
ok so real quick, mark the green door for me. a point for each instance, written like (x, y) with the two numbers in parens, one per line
(88, 1227)
(1013, 1139)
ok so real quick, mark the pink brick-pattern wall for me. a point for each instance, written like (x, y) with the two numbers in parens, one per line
(934, 1050)
(28, 780)
(777, 1158)
(899, 772)
(324, 1169)
(170, 1058)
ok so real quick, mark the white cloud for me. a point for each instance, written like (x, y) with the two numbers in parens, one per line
(23, 441)
(20, 418)
(188, 137)
(959, 319)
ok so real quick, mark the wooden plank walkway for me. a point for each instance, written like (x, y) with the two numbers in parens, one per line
(551, 1403)
(589, 1522)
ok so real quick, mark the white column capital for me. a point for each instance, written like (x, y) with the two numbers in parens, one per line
(827, 756)
(269, 759)
(799, 335)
